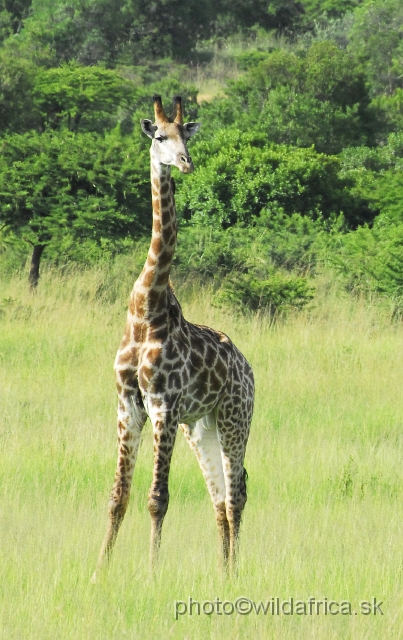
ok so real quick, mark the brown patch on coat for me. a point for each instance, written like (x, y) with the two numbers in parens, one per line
(159, 383)
(148, 278)
(165, 202)
(164, 188)
(164, 259)
(167, 234)
(127, 376)
(156, 225)
(154, 355)
(156, 245)
(145, 374)
(210, 357)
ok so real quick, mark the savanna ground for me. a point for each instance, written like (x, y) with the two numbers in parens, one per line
(324, 514)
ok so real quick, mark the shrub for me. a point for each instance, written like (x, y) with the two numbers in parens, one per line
(318, 99)
(376, 37)
(238, 178)
(287, 242)
(370, 260)
(275, 294)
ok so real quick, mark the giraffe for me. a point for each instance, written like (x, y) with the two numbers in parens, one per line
(177, 373)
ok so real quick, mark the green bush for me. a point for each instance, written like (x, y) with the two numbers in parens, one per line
(238, 178)
(275, 294)
(370, 260)
(287, 242)
(376, 38)
(377, 176)
(319, 98)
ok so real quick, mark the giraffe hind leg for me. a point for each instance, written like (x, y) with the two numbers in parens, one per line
(233, 436)
(203, 440)
(131, 419)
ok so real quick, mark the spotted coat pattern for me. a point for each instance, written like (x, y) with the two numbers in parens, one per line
(178, 373)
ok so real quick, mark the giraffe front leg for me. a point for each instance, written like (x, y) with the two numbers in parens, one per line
(131, 419)
(164, 433)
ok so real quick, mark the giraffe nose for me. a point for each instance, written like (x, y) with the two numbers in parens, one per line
(186, 164)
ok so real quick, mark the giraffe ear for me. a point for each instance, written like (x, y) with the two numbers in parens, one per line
(191, 128)
(148, 127)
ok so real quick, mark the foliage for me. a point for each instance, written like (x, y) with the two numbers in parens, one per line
(133, 33)
(117, 31)
(17, 105)
(376, 38)
(80, 186)
(276, 294)
(391, 108)
(243, 178)
(315, 9)
(375, 159)
(73, 96)
(319, 99)
(291, 243)
(69, 96)
(302, 149)
(12, 16)
(370, 260)
(377, 176)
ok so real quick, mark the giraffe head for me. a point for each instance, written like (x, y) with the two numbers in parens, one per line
(170, 135)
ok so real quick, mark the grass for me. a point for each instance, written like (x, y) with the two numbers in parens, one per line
(324, 513)
(216, 61)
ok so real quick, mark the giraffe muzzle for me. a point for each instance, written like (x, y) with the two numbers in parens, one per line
(185, 164)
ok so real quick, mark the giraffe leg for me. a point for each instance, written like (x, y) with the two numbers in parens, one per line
(203, 440)
(235, 481)
(233, 444)
(165, 426)
(131, 419)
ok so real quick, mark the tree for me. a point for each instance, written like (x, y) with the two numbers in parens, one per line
(317, 99)
(317, 9)
(376, 37)
(74, 95)
(116, 31)
(81, 185)
(18, 111)
(69, 96)
(12, 15)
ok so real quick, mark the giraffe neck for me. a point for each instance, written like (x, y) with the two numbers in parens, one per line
(151, 288)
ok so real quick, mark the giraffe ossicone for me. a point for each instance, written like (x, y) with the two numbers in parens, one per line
(175, 372)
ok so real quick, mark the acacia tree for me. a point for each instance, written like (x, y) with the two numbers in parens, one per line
(66, 175)
(73, 96)
(84, 185)
(75, 172)
(70, 96)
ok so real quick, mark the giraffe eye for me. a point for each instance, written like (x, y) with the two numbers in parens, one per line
(159, 138)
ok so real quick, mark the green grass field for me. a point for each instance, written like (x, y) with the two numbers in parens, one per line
(324, 517)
